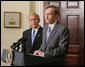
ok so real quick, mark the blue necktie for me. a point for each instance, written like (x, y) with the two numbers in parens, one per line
(33, 36)
(48, 33)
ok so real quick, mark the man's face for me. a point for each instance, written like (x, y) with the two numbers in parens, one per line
(50, 16)
(34, 21)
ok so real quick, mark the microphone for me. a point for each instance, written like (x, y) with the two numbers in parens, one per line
(17, 44)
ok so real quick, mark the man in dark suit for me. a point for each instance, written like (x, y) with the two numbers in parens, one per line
(33, 35)
(55, 37)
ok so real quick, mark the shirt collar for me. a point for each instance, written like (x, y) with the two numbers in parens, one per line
(52, 25)
(36, 28)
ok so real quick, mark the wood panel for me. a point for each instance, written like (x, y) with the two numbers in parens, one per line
(72, 4)
(73, 25)
(74, 49)
(72, 15)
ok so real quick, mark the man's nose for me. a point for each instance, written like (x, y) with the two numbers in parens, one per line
(34, 21)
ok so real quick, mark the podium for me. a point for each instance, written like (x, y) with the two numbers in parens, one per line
(32, 60)
(26, 59)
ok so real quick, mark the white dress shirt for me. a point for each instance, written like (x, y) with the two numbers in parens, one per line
(52, 25)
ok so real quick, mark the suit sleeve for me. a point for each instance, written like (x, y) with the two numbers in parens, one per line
(63, 45)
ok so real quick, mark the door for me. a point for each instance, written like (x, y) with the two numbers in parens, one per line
(72, 15)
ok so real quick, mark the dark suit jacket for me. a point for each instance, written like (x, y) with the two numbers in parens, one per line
(58, 42)
(26, 47)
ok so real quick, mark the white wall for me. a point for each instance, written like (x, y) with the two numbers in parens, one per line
(10, 35)
(39, 10)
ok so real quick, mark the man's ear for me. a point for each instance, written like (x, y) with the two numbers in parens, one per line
(57, 16)
(39, 20)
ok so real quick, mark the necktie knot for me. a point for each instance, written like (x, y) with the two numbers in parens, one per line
(33, 32)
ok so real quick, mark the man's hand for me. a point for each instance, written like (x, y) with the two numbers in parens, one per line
(38, 52)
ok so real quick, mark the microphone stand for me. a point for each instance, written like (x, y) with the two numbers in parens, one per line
(16, 45)
(18, 48)
(15, 48)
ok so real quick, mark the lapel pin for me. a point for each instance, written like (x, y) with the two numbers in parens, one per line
(38, 35)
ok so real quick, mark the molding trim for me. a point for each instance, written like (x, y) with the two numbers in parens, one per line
(40, 10)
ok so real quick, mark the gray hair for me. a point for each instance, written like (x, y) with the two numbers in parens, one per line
(34, 14)
(56, 9)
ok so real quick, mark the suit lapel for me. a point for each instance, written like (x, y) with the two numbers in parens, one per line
(44, 34)
(52, 33)
(44, 37)
(29, 38)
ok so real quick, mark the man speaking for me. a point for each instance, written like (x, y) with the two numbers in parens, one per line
(55, 37)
